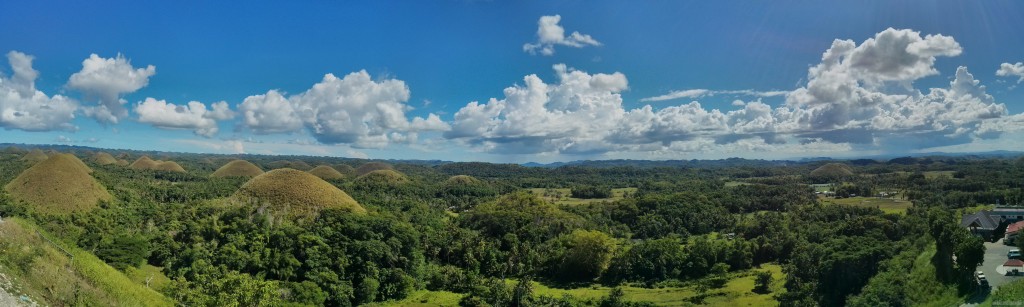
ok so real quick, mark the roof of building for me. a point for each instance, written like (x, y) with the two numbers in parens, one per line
(1014, 262)
(1015, 227)
(981, 219)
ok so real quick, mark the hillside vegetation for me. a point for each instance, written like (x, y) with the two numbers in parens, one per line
(45, 272)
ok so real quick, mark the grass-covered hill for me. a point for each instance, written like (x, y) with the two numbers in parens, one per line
(238, 168)
(373, 166)
(461, 180)
(103, 158)
(60, 184)
(345, 169)
(327, 173)
(34, 156)
(293, 164)
(146, 163)
(831, 171)
(294, 193)
(143, 163)
(384, 177)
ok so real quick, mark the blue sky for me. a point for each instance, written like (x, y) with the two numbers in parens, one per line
(396, 61)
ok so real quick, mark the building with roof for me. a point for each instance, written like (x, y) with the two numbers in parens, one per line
(1013, 266)
(981, 223)
(1012, 231)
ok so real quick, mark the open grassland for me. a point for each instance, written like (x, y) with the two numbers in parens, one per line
(737, 292)
(146, 273)
(46, 273)
(424, 298)
(888, 205)
(564, 196)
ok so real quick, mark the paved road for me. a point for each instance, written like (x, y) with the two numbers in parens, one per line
(995, 256)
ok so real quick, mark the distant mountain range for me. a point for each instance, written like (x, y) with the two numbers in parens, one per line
(729, 162)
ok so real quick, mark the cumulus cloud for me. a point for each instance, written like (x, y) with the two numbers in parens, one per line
(571, 115)
(859, 95)
(106, 79)
(269, 113)
(191, 116)
(351, 110)
(1011, 70)
(550, 33)
(24, 107)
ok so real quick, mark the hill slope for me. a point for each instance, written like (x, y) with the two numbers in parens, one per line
(294, 193)
(47, 274)
(237, 168)
(327, 173)
(61, 184)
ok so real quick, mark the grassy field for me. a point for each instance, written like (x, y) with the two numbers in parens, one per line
(730, 184)
(889, 205)
(141, 274)
(46, 273)
(563, 196)
(737, 292)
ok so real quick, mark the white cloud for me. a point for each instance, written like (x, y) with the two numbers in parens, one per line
(692, 93)
(860, 95)
(351, 110)
(1011, 70)
(269, 113)
(550, 33)
(192, 116)
(219, 146)
(25, 108)
(538, 117)
(699, 93)
(106, 79)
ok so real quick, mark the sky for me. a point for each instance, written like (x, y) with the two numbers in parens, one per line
(516, 81)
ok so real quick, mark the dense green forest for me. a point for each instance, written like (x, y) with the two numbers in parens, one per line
(480, 234)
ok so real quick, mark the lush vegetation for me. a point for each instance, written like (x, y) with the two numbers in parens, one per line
(730, 232)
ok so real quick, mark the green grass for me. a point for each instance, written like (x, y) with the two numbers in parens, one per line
(730, 184)
(563, 196)
(47, 274)
(926, 290)
(1011, 294)
(937, 174)
(424, 298)
(888, 205)
(737, 292)
(141, 274)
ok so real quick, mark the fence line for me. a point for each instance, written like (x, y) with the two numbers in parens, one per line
(70, 256)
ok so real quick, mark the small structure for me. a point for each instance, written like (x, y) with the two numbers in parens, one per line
(1013, 266)
(1012, 231)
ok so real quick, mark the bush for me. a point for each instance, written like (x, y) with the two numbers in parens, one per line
(590, 192)
(763, 282)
